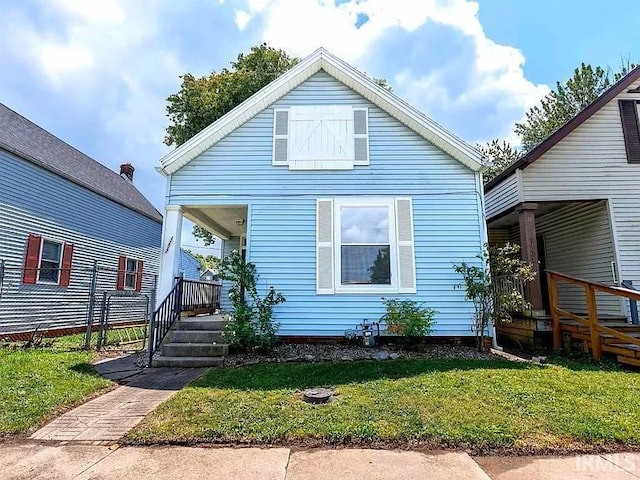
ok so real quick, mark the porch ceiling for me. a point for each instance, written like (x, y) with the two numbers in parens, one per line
(511, 219)
(223, 221)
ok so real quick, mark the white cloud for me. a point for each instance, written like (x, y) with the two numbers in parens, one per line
(496, 75)
(242, 19)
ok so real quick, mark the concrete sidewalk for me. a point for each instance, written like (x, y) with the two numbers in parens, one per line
(29, 460)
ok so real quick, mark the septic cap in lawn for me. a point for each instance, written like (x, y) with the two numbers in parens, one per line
(317, 395)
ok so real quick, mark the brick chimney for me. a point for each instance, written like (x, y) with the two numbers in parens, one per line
(126, 169)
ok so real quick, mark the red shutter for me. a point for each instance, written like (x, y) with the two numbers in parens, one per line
(32, 259)
(139, 276)
(65, 271)
(630, 129)
(122, 267)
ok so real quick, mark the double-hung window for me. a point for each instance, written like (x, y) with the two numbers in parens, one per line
(131, 273)
(365, 245)
(365, 236)
(50, 258)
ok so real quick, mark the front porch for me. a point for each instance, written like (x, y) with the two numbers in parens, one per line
(227, 222)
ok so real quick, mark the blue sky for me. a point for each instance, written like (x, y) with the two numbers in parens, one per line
(96, 73)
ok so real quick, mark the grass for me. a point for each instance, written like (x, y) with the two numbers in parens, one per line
(37, 382)
(478, 404)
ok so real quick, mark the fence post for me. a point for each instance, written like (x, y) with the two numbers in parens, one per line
(593, 322)
(92, 304)
(633, 305)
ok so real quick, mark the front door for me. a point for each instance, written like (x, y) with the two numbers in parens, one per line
(542, 267)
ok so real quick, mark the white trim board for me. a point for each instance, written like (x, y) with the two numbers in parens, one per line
(319, 60)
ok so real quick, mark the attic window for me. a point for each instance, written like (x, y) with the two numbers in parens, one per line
(631, 129)
(321, 137)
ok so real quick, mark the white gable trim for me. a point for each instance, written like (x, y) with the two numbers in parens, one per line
(341, 71)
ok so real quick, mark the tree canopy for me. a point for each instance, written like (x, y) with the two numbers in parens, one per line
(499, 156)
(566, 101)
(206, 261)
(202, 100)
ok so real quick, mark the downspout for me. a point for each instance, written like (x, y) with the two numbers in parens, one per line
(484, 237)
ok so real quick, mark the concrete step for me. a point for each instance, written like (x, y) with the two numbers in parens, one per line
(196, 336)
(194, 349)
(186, 362)
(197, 323)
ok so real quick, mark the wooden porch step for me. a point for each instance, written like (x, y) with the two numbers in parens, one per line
(629, 360)
(625, 349)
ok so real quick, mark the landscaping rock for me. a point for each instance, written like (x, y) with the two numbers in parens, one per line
(314, 352)
(382, 355)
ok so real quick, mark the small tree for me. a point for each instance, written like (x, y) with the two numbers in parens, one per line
(250, 323)
(494, 286)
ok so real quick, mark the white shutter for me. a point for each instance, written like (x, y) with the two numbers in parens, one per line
(280, 137)
(361, 136)
(324, 246)
(321, 137)
(405, 242)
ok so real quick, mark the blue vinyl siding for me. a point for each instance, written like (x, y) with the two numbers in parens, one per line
(281, 236)
(34, 200)
(189, 266)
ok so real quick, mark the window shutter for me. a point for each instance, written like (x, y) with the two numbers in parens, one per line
(139, 275)
(324, 247)
(631, 129)
(361, 136)
(65, 271)
(32, 259)
(280, 137)
(406, 254)
(122, 270)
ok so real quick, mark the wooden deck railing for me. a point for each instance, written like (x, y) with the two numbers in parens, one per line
(591, 320)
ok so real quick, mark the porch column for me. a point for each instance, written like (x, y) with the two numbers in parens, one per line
(529, 252)
(170, 253)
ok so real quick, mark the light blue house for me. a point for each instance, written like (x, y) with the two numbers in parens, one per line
(340, 193)
(189, 266)
(61, 213)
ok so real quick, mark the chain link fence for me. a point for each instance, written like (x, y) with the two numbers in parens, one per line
(97, 299)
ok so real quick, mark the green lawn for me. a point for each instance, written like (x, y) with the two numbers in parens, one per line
(34, 383)
(477, 404)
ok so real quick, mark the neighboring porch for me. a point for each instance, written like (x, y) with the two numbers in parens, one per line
(571, 237)
(576, 239)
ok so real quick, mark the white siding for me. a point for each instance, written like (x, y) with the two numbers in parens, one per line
(591, 163)
(502, 197)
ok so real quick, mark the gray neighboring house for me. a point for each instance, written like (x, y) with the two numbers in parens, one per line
(61, 211)
(210, 275)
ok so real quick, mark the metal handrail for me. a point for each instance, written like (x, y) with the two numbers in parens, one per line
(164, 317)
(185, 296)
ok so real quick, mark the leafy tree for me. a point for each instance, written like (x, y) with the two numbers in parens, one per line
(382, 82)
(500, 155)
(204, 235)
(202, 100)
(563, 103)
(206, 261)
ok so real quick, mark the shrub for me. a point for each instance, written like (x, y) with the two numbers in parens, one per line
(250, 322)
(493, 286)
(408, 318)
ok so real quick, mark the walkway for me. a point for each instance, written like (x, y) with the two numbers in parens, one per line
(106, 419)
(39, 461)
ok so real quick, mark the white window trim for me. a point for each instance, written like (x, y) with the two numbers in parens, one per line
(135, 274)
(388, 202)
(49, 282)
